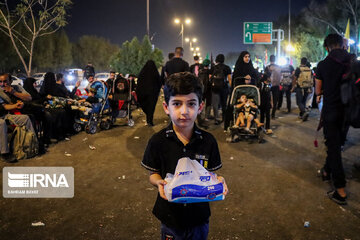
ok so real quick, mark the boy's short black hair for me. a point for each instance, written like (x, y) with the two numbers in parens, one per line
(112, 72)
(196, 58)
(182, 83)
(333, 40)
(171, 55)
(264, 78)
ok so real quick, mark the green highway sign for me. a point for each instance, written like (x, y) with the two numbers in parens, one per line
(257, 32)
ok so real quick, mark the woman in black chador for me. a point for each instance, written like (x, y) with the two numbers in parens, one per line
(147, 90)
(244, 70)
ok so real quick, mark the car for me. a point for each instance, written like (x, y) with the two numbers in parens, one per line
(39, 77)
(16, 81)
(102, 76)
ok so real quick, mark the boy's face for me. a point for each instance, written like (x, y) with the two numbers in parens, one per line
(183, 109)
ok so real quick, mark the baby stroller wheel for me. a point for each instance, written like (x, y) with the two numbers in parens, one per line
(131, 123)
(91, 129)
(260, 135)
(105, 125)
(77, 127)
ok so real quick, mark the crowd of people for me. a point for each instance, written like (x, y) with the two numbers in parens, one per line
(48, 112)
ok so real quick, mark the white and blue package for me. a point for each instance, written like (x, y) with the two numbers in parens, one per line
(192, 183)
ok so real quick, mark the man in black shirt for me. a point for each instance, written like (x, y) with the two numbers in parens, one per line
(176, 64)
(328, 79)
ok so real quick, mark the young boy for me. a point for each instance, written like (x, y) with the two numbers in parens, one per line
(265, 106)
(182, 138)
(246, 109)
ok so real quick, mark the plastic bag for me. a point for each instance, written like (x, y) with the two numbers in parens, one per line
(192, 183)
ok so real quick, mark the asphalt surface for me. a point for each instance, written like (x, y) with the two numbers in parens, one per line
(274, 188)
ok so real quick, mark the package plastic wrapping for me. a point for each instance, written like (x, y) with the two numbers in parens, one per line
(192, 183)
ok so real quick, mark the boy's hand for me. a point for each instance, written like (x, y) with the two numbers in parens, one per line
(222, 180)
(160, 184)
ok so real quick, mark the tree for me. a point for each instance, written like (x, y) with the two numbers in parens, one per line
(133, 55)
(37, 17)
(94, 49)
(53, 52)
(335, 13)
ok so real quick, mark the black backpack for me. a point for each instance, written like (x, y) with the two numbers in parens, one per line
(350, 95)
(218, 79)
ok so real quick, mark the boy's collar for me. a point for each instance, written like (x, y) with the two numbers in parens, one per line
(196, 132)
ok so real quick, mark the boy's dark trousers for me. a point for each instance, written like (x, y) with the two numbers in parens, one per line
(275, 90)
(287, 91)
(265, 115)
(192, 233)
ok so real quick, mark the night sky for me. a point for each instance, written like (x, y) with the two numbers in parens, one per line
(217, 24)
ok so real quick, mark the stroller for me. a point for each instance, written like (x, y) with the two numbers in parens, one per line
(239, 133)
(98, 116)
(123, 97)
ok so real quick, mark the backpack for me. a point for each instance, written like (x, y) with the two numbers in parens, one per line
(305, 79)
(286, 77)
(24, 143)
(350, 95)
(218, 79)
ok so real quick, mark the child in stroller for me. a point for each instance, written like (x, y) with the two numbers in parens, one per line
(247, 110)
(244, 101)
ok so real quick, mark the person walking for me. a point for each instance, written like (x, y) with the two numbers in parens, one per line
(220, 79)
(148, 89)
(303, 83)
(287, 72)
(176, 64)
(244, 70)
(328, 79)
(274, 71)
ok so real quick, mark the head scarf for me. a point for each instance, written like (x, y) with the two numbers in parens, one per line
(49, 85)
(242, 69)
(29, 87)
(149, 78)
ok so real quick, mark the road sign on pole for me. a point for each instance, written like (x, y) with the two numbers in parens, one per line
(257, 32)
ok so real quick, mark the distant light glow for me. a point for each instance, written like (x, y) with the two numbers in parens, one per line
(188, 21)
(177, 21)
(70, 78)
(192, 49)
(194, 40)
(282, 61)
(351, 41)
(197, 49)
(290, 48)
(187, 39)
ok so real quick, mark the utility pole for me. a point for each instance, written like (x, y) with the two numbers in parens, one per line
(148, 18)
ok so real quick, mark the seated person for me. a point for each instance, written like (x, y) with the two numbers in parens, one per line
(88, 103)
(247, 110)
(11, 101)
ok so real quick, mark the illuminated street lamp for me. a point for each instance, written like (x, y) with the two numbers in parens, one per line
(197, 49)
(178, 21)
(190, 41)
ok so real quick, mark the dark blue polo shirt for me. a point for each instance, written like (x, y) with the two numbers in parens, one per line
(162, 153)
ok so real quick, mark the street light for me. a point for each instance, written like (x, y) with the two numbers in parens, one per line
(178, 21)
(190, 41)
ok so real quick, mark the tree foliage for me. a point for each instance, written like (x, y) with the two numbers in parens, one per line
(133, 55)
(24, 21)
(94, 49)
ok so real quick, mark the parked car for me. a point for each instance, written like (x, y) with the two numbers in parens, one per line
(16, 81)
(102, 76)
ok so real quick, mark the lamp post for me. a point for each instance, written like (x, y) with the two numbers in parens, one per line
(178, 21)
(289, 47)
(191, 41)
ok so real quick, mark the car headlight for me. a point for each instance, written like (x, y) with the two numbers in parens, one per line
(70, 78)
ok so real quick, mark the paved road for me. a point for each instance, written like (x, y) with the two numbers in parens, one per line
(273, 188)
